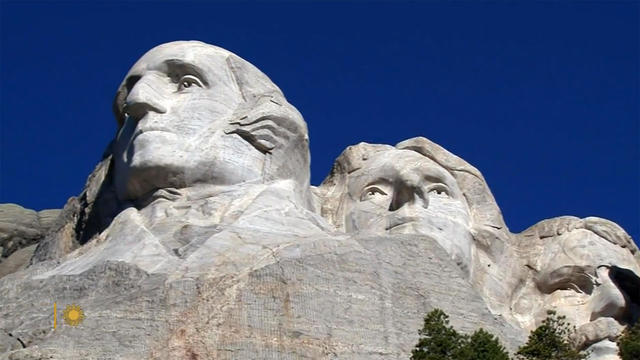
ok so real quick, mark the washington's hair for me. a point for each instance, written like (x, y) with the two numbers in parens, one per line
(270, 123)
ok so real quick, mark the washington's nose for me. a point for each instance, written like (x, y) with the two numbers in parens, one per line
(609, 299)
(145, 96)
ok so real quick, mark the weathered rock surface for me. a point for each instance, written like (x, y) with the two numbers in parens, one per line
(198, 236)
(17, 261)
(21, 228)
(358, 298)
(584, 269)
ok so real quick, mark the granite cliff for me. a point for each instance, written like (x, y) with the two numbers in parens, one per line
(198, 236)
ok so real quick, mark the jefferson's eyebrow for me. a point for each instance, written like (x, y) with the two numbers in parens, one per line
(438, 174)
(185, 68)
(441, 175)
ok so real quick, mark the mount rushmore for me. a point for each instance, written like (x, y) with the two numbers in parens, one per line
(199, 236)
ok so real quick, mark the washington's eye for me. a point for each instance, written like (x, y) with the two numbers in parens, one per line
(188, 81)
(371, 192)
(439, 189)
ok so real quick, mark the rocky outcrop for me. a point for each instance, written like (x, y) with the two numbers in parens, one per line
(82, 217)
(20, 230)
(357, 298)
(198, 236)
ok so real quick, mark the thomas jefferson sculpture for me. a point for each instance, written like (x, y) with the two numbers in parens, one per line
(417, 187)
(381, 189)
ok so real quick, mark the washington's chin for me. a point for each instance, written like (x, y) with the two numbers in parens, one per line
(147, 171)
(137, 182)
(407, 227)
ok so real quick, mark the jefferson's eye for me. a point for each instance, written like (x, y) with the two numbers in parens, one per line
(188, 81)
(371, 192)
(439, 189)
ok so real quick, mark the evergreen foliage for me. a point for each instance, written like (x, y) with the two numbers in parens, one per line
(440, 341)
(482, 346)
(629, 343)
(550, 341)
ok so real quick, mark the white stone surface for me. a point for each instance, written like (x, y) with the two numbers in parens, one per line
(20, 230)
(199, 236)
(417, 187)
(379, 189)
(584, 269)
(218, 231)
(193, 113)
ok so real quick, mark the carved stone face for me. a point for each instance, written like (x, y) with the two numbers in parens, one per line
(403, 192)
(179, 98)
(591, 281)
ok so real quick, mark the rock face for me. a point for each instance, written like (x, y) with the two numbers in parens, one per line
(20, 230)
(198, 236)
(359, 298)
(586, 270)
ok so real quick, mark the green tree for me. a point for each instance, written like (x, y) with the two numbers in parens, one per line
(629, 343)
(482, 346)
(550, 341)
(438, 340)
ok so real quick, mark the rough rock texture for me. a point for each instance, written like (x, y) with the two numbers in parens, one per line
(358, 298)
(82, 217)
(418, 187)
(21, 228)
(17, 261)
(584, 269)
(198, 236)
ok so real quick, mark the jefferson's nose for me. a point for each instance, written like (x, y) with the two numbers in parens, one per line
(145, 96)
(407, 194)
(608, 299)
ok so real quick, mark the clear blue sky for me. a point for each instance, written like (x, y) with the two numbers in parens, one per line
(542, 97)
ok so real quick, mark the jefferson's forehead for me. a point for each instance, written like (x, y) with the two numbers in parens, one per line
(398, 163)
(401, 156)
(405, 160)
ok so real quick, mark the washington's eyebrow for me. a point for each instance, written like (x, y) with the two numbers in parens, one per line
(377, 181)
(184, 68)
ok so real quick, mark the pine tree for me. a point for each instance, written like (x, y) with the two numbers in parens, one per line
(482, 346)
(629, 343)
(550, 341)
(438, 340)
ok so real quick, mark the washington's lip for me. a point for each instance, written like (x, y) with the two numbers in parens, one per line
(395, 221)
(141, 131)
